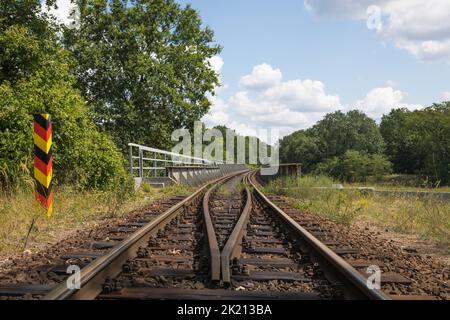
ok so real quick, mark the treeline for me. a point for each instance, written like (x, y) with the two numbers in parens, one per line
(252, 146)
(351, 146)
(126, 71)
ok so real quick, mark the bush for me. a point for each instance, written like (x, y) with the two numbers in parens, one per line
(425, 216)
(83, 155)
(355, 166)
(418, 142)
(331, 137)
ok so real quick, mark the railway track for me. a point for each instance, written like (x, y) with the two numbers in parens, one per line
(225, 241)
(50, 268)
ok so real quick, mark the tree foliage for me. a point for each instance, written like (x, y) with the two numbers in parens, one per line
(355, 166)
(35, 76)
(351, 146)
(419, 142)
(339, 132)
(142, 67)
(331, 137)
(303, 147)
(249, 142)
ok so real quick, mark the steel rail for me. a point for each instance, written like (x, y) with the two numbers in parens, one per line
(348, 274)
(214, 250)
(233, 246)
(109, 265)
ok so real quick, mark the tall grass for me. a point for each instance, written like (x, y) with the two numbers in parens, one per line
(426, 217)
(73, 209)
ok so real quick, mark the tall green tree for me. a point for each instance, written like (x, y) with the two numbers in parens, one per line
(354, 166)
(331, 137)
(301, 147)
(419, 141)
(17, 58)
(353, 130)
(35, 76)
(234, 139)
(400, 142)
(142, 67)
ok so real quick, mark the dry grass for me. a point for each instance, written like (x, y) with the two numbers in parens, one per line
(73, 209)
(401, 182)
(426, 217)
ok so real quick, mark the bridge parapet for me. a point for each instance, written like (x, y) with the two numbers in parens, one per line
(161, 168)
(284, 170)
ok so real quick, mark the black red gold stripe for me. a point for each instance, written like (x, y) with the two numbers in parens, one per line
(43, 119)
(43, 160)
(41, 155)
(45, 168)
(42, 132)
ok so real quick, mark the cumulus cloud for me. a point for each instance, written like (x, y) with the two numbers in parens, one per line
(218, 114)
(265, 92)
(303, 95)
(216, 62)
(380, 101)
(446, 95)
(66, 12)
(265, 101)
(420, 27)
(293, 104)
(262, 77)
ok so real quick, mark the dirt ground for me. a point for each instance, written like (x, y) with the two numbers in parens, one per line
(407, 242)
(32, 266)
(425, 262)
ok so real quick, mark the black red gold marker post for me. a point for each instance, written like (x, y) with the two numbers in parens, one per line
(43, 159)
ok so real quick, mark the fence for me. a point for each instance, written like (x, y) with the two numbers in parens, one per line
(152, 163)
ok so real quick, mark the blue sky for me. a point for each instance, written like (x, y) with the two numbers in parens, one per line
(335, 48)
(285, 64)
(344, 54)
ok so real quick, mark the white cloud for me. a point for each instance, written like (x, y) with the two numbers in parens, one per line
(293, 104)
(265, 93)
(216, 62)
(446, 95)
(380, 101)
(66, 11)
(216, 118)
(218, 113)
(420, 27)
(303, 95)
(391, 83)
(265, 101)
(262, 77)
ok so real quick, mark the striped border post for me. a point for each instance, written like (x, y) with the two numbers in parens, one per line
(43, 159)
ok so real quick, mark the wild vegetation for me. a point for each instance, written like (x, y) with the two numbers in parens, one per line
(352, 147)
(248, 143)
(142, 67)
(129, 71)
(35, 75)
(24, 226)
(427, 217)
(135, 70)
(114, 78)
(418, 142)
